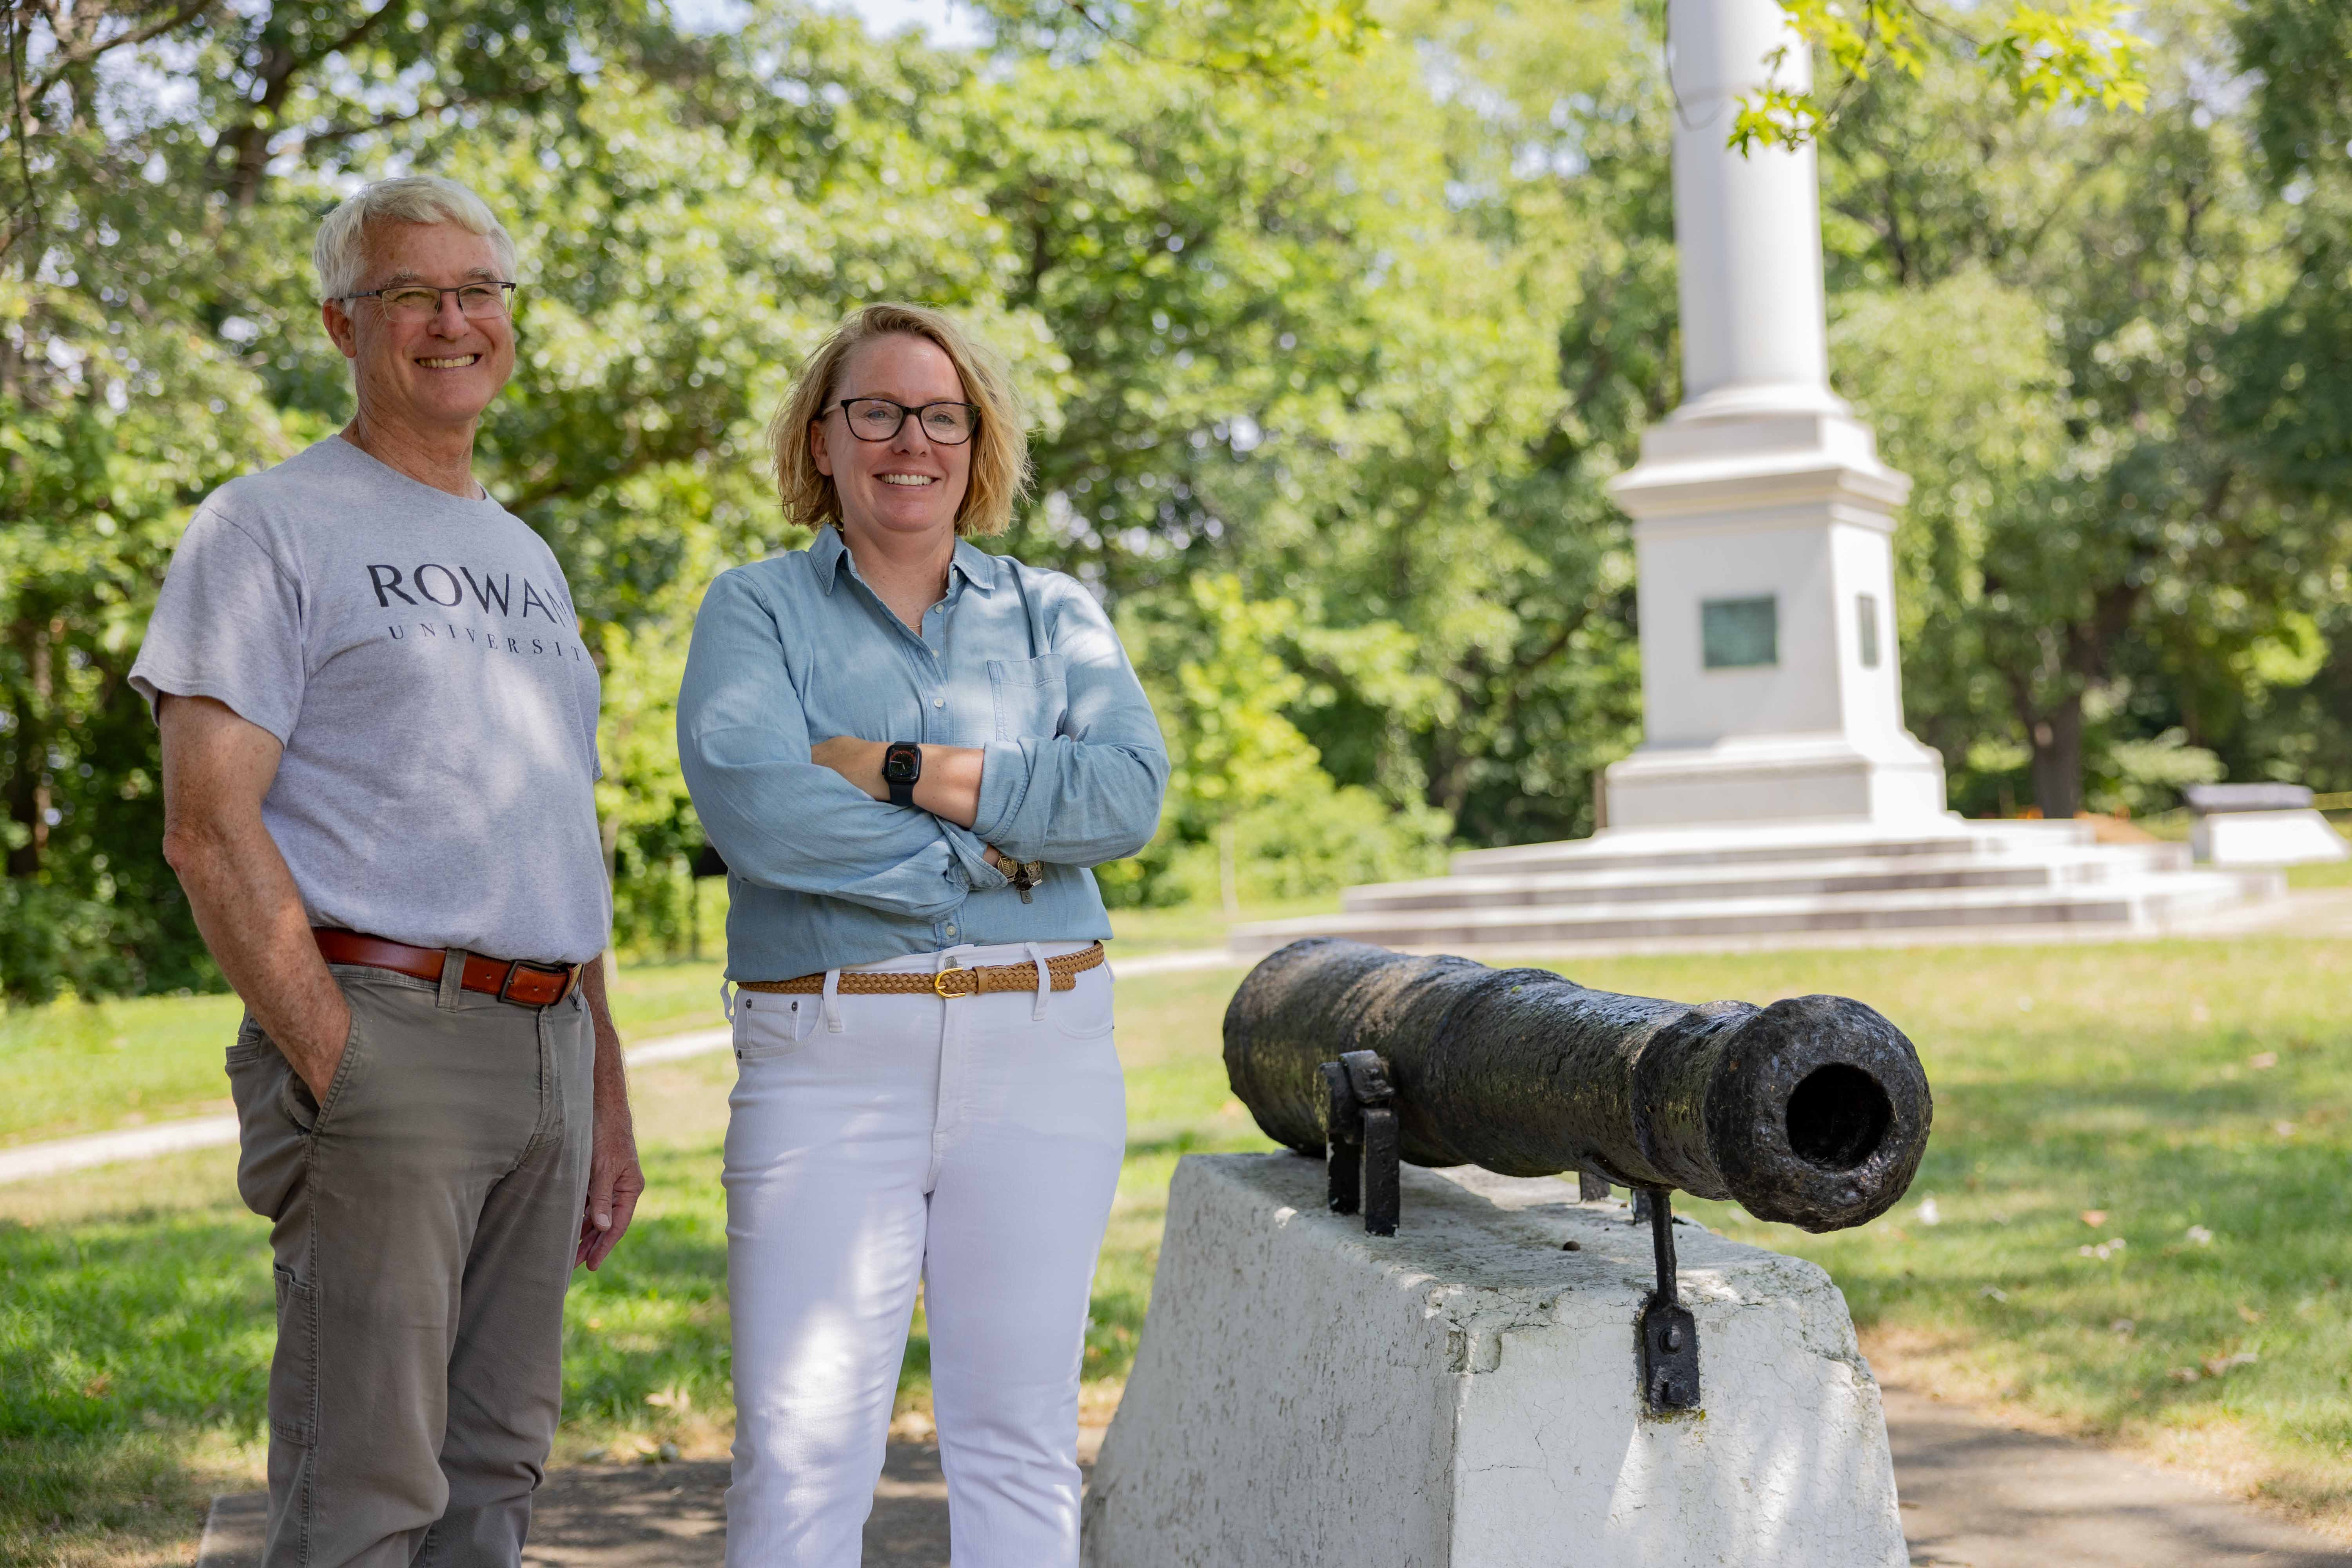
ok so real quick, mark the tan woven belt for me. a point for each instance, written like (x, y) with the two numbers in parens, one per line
(947, 982)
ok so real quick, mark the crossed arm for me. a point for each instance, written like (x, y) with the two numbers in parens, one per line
(792, 810)
(217, 767)
(948, 789)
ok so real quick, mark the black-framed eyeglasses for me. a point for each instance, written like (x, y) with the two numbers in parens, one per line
(878, 420)
(422, 302)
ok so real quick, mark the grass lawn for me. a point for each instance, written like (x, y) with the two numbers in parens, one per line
(2178, 1091)
(2326, 874)
(136, 1301)
(75, 1067)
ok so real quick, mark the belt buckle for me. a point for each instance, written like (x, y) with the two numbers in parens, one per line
(514, 969)
(939, 983)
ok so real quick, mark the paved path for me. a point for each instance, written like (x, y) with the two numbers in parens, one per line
(656, 1516)
(1976, 1494)
(30, 1162)
(2306, 911)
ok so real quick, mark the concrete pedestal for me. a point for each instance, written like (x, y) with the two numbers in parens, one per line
(2292, 837)
(1464, 1395)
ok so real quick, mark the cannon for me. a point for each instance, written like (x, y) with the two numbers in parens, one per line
(1813, 1111)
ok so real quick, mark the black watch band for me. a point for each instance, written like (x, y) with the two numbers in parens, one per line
(902, 765)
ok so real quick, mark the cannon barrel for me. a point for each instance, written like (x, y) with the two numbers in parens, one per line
(1813, 1111)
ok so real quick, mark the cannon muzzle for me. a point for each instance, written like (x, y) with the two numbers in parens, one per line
(1813, 1111)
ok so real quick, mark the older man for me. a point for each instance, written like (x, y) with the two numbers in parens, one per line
(378, 736)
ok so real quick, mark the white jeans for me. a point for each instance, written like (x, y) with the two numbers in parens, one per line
(973, 1143)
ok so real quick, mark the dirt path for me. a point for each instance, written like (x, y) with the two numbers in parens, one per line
(1979, 1494)
(657, 1516)
(1976, 1494)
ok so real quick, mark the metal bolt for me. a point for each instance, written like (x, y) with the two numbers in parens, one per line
(1674, 1336)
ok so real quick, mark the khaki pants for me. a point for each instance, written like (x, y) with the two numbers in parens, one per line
(423, 1219)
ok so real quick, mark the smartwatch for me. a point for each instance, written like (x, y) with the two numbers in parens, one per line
(902, 765)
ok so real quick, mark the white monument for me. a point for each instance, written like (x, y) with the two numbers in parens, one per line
(1776, 789)
(1763, 518)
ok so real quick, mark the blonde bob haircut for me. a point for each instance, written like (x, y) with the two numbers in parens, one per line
(1000, 447)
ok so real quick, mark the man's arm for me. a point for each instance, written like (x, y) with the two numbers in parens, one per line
(216, 768)
(615, 1182)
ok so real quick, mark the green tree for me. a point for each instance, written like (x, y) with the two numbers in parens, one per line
(157, 337)
(1297, 328)
(2045, 55)
(2040, 318)
(1249, 808)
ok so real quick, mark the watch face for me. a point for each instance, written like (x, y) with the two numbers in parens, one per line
(901, 764)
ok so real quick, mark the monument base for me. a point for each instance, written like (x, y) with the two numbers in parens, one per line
(1730, 885)
(1464, 1395)
(1898, 784)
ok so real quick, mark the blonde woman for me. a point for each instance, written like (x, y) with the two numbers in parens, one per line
(909, 752)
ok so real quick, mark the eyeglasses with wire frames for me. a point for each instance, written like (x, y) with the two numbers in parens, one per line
(422, 302)
(879, 419)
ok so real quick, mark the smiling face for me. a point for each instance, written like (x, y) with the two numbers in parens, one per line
(431, 377)
(908, 484)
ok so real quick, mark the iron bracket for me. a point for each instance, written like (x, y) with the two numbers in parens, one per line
(1360, 1139)
(1669, 1332)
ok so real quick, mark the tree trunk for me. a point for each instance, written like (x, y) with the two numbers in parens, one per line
(29, 791)
(2056, 735)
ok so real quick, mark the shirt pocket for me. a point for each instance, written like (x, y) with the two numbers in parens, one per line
(1033, 696)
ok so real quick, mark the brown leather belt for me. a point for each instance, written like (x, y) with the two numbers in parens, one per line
(521, 982)
(1063, 973)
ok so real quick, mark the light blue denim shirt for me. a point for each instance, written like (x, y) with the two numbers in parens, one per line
(1018, 661)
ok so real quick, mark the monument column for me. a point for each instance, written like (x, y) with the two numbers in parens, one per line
(1763, 518)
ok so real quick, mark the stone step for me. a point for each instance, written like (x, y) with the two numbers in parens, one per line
(1677, 881)
(2124, 907)
(1701, 847)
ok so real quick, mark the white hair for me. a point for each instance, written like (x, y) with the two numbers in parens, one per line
(340, 253)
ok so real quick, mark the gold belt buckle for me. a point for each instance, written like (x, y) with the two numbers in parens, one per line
(939, 983)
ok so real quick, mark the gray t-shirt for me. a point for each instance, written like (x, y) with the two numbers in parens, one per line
(417, 656)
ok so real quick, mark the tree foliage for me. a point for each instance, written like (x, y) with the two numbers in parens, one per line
(1338, 318)
(2073, 53)
(2095, 554)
